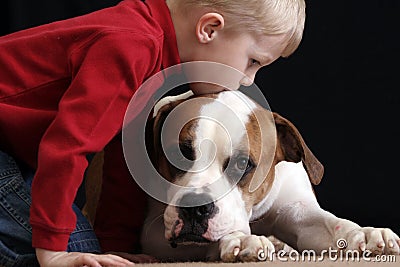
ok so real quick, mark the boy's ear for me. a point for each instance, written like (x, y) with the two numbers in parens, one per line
(208, 26)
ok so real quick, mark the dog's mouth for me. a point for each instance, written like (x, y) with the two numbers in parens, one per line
(188, 238)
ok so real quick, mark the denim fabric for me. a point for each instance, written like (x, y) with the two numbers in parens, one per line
(15, 230)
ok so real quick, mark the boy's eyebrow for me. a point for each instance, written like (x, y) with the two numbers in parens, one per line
(263, 58)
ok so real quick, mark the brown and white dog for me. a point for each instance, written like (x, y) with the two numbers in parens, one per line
(273, 194)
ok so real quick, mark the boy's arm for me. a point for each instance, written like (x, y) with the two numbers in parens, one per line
(89, 115)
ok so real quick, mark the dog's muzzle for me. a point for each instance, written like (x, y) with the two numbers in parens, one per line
(193, 219)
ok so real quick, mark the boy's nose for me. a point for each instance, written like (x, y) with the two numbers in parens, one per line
(247, 81)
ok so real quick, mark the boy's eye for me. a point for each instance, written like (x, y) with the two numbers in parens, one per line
(254, 62)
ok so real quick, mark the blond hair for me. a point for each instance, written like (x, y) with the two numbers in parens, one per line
(269, 17)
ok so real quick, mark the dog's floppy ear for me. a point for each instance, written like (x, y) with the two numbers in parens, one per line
(158, 121)
(294, 149)
(153, 129)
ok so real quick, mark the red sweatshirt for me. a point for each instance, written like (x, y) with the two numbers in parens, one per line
(64, 89)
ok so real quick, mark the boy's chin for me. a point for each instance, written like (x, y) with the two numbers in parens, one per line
(208, 88)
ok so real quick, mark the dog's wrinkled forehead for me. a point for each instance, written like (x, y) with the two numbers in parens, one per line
(198, 118)
(230, 106)
(226, 117)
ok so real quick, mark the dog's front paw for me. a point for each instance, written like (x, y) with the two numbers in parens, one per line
(376, 240)
(241, 247)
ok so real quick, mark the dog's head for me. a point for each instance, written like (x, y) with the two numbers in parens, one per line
(224, 147)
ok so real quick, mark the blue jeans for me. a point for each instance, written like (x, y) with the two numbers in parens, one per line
(15, 230)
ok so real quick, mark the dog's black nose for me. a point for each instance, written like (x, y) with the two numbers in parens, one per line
(198, 212)
(189, 209)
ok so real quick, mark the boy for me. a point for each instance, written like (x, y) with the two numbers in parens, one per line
(64, 88)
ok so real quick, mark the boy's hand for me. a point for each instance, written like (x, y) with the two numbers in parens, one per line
(48, 258)
(138, 258)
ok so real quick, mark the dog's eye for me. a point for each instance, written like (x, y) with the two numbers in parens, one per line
(180, 158)
(243, 164)
(237, 168)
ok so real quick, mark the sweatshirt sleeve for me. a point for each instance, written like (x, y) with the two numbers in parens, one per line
(106, 74)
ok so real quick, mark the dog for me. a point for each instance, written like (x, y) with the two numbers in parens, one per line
(266, 187)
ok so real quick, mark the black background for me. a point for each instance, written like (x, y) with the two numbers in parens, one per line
(340, 88)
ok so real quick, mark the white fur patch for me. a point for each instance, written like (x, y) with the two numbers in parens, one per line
(291, 188)
(225, 120)
(231, 216)
(239, 104)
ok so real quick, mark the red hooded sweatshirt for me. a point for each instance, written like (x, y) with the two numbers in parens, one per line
(64, 90)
